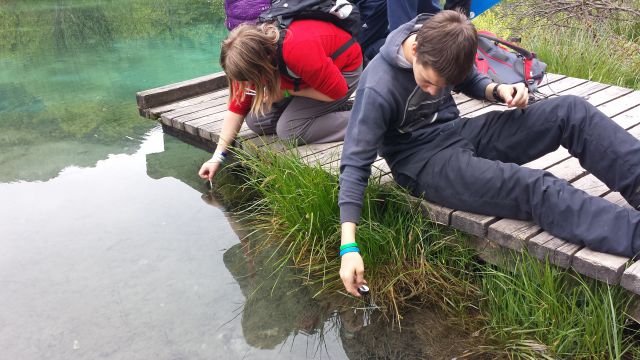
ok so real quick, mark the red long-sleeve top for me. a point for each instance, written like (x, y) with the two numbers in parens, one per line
(307, 50)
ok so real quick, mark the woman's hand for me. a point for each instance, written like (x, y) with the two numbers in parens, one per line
(209, 169)
(352, 272)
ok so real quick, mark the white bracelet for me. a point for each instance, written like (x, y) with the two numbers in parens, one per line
(218, 157)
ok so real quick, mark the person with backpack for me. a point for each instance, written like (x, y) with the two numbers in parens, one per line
(380, 17)
(293, 82)
(243, 11)
(404, 111)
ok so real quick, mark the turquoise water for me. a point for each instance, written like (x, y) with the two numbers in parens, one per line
(109, 249)
(110, 245)
(69, 71)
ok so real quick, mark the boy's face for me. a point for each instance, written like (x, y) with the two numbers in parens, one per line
(426, 78)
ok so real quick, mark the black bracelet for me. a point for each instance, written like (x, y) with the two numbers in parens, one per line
(495, 94)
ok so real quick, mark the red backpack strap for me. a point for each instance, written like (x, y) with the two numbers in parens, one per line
(524, 52)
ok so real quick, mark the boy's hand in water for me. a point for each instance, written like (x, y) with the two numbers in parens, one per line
(209, 169)
(352, 272)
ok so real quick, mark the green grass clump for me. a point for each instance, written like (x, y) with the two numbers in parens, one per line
(530, 310)
(537, 308)
(406, 257)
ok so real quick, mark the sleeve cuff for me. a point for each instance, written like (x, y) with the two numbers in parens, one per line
(483, 87)
(350, 213)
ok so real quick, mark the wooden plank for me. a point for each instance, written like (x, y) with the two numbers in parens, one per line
(179, 91)
(436, 213)
(474, 224)
(616, 198)
(206, 131)
(606, 95)
(629, 119)
(306, 150)
(569, 170)
(196, 107)
(599, 266)
(561, 85)
(214, 113)
(591, 185)
(256, 142)
(218, 109)
(325, 156)
(512, 233)
(157, 111)
(549, 159)
(557, 251)
(631, 278)
(329, 157)
(621, 104)
(587, 90)
(471, 106)
(193, 126)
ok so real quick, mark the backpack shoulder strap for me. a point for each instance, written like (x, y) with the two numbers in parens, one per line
(526, 53)
(343, 48)
(281, 64)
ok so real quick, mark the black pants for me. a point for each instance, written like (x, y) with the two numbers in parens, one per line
(482, 172)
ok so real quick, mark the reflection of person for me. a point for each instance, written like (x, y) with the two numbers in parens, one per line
(308, 110)
(404, 110)
(275, 306)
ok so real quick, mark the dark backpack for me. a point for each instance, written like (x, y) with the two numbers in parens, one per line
(284, 12)
(507, 63)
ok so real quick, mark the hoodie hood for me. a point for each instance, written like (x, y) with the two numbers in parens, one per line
(389, 51)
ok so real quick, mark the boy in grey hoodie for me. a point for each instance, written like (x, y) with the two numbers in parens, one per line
(404, 111)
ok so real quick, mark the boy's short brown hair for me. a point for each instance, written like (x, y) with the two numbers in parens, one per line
(447, 42)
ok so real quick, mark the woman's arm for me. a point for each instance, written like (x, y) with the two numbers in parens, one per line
(231, 124)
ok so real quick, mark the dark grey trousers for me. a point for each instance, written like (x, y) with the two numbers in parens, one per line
(305, 120)
(482, 172)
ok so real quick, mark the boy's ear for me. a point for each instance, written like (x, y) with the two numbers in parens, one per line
(414, 49)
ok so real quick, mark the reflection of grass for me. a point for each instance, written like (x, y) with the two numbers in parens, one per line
(531, 311)
(96, 122)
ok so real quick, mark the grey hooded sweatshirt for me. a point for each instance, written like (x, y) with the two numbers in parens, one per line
(393, 117)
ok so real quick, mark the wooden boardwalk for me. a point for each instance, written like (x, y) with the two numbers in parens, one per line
(193, 110)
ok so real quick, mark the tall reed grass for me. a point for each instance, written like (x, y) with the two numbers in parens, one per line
(537, 308)
(406, 257)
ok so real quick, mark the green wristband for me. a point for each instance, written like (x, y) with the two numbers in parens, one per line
(286, 93)
(346, 246)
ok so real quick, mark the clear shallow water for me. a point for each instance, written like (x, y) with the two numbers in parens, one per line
(108, 262)
(109, 245)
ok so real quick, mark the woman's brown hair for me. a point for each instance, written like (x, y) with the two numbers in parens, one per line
(447, 42)
(248, 57)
